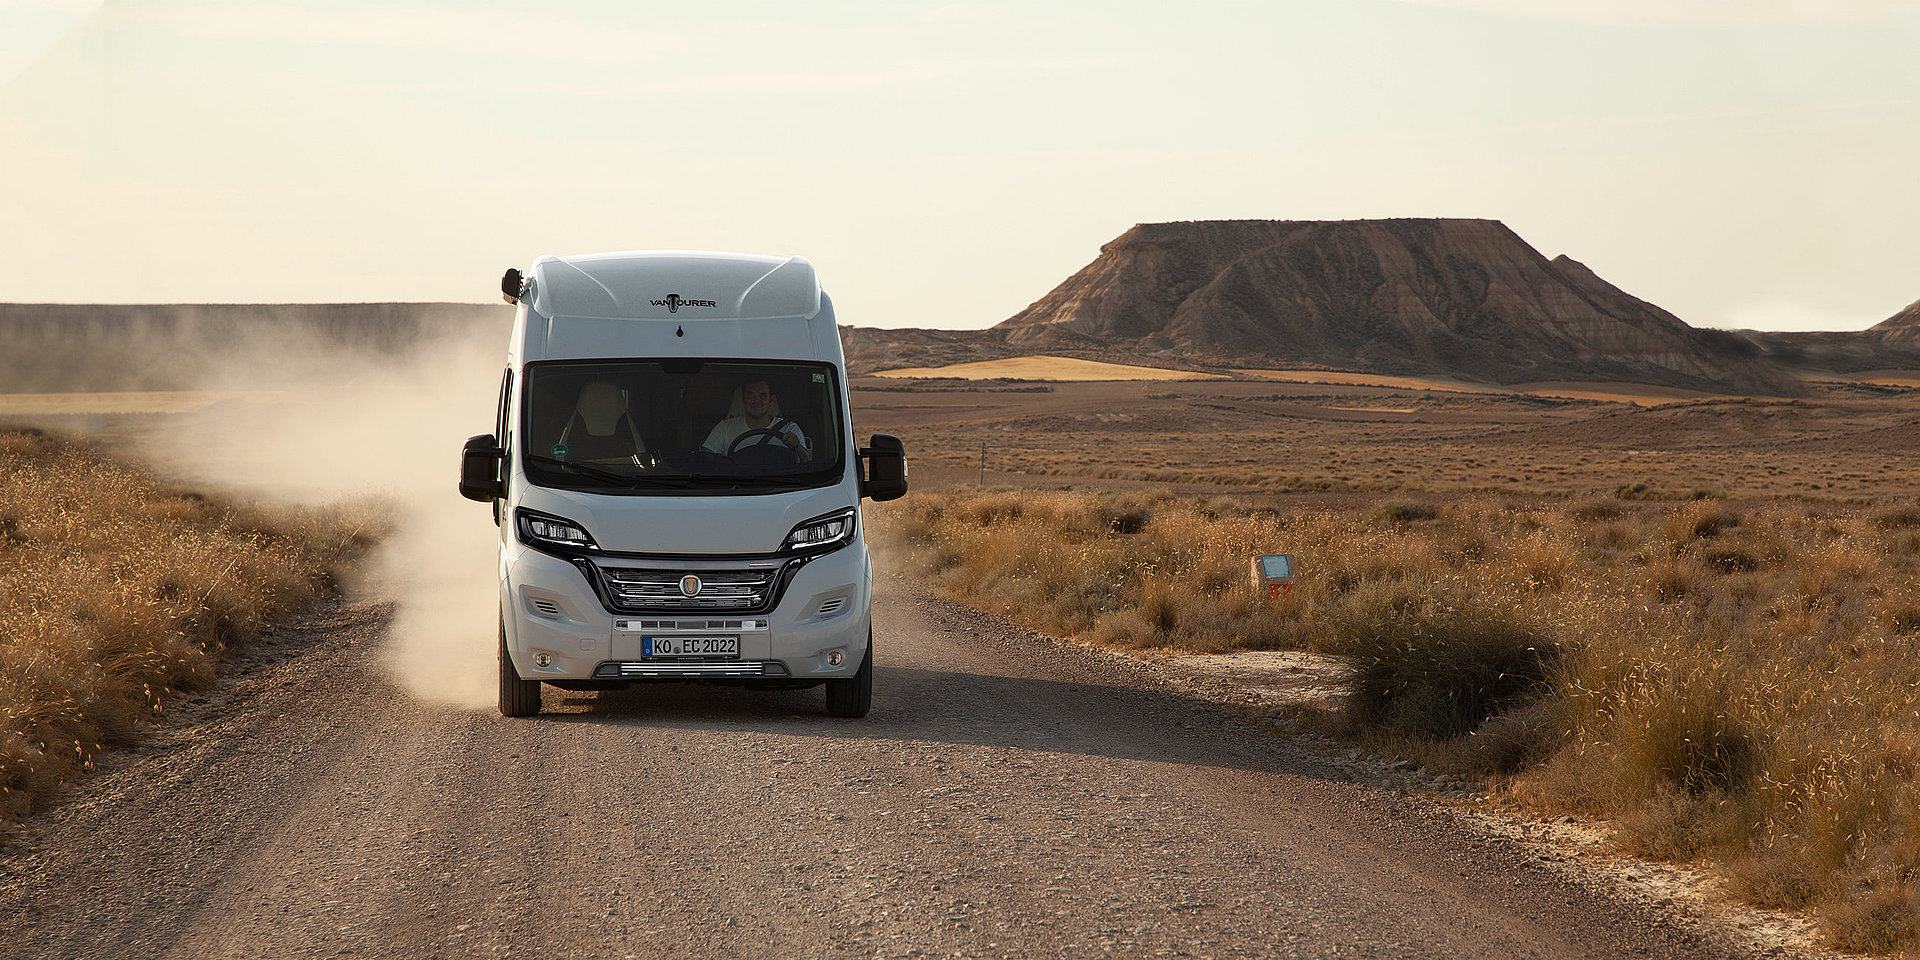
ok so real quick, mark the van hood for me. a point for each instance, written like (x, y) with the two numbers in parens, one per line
(749, 524)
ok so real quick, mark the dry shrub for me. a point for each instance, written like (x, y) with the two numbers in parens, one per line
(1595, 510)
(1348, 563)
(1611, 538)
(1698, 520)
(1510, 742)
(1132, 572)
(992, 507)
(1542, 563)
(1876, 918)
(1399, 513)
(122, 592)
(1904, 516)
(1729, 559)
(1463, 539)
(1672, 578)
(1126, 519)
(1679, 825)
(1688, 743)
(1903, 616)
(1904, 544)
(1775, 874)
(1834, 573)
(1435, 664)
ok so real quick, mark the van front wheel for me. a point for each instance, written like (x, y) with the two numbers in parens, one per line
(518, 698)
(853, 698)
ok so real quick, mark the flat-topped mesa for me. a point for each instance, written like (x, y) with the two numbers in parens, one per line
(1465, 298)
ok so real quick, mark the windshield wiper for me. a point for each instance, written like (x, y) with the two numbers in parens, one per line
(584, 470)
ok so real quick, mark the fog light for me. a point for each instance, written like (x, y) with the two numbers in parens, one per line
(543, 660)
(834, 658)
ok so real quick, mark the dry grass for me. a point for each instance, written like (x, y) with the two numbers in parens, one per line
(1739, 686)
(118, 592)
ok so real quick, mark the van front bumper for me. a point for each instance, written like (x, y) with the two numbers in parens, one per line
(559, 629)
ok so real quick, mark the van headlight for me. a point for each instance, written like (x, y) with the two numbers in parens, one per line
(821, 534)
(543, 530)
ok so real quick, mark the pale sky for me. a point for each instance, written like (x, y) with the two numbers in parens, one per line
(945, 164)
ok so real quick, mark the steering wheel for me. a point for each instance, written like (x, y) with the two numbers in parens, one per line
(766, 432)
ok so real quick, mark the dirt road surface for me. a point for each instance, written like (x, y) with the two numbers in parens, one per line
(1009, 797)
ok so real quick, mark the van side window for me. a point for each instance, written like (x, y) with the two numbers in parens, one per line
(503, 425)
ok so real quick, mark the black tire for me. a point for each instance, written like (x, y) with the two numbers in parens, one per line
(518, 698)
(853, 698)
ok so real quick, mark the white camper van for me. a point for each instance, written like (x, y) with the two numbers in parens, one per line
(676, 481)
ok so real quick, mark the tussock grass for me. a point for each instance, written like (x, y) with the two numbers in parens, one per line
(1737, 687)
(1399, 513)
(118, 592)
(1435, 664)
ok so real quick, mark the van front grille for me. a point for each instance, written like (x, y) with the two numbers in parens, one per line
(638, 590)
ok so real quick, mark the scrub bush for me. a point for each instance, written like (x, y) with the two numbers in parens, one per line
(1434, 664)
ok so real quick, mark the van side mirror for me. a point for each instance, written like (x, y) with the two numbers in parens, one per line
(883, 474)
(480, 469)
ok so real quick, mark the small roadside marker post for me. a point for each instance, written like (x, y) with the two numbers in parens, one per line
(983, 463)
(1274, 573)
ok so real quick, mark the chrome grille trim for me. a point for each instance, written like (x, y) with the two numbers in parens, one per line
(689, 626)
(657, 589)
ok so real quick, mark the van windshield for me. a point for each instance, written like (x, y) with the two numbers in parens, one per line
(664, 426)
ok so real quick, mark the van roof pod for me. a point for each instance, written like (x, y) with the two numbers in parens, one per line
(674, 284)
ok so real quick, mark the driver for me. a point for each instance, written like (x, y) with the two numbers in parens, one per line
(756, 399)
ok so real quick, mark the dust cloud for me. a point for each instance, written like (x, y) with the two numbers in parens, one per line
(311, 422)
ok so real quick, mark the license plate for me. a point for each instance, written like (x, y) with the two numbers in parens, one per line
(674, 647)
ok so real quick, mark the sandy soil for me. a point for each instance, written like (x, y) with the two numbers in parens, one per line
(1636, 393)
(1010, 796)
(1888, 378)
(1370, 380)
(1064, 369)
(1640, 394)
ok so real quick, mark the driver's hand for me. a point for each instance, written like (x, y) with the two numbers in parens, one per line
(792, 439)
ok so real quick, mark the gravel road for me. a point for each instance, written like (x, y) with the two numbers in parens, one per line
(1010, 796)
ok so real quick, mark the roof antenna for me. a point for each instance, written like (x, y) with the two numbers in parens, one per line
(512, 286)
